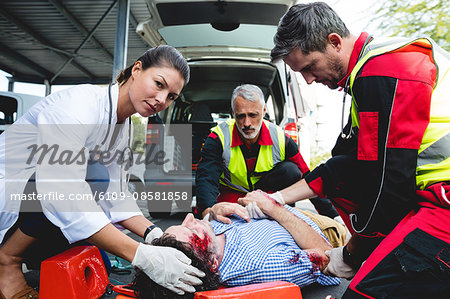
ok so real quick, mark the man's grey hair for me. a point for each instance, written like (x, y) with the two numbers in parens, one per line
(249, 92)
(306, 26)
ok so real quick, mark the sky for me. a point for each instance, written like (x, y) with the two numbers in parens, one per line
(356, 14)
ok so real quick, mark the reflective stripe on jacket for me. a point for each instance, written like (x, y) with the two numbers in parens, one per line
(433, 164)
(235, 174)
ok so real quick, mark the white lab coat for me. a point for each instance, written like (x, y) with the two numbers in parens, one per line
(76, 119)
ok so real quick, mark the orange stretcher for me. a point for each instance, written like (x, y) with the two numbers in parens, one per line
(79, 273)
(272, 290)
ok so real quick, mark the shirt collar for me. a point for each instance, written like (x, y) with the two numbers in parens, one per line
(263, 139)
(357, 48)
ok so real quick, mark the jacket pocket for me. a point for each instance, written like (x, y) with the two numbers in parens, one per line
(368, 136)
(417, 268)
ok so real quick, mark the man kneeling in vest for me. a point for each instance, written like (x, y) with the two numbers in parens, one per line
(247, 153)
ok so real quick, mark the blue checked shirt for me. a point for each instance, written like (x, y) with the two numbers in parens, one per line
(264, 251)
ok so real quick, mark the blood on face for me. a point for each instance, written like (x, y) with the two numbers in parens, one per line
(201, 245)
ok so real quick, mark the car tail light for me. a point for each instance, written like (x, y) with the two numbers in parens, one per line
(152, 134)
(291, 130)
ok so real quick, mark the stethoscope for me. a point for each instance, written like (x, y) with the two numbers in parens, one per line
(127, 152)
(345, 90)
(110, 116)
(350, 133)
(352, 216)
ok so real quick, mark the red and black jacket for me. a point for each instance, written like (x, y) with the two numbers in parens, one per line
(377, 167)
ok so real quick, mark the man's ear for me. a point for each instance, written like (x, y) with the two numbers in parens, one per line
(335, 40)
(215, 264)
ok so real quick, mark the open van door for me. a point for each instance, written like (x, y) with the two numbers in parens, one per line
(233, 23)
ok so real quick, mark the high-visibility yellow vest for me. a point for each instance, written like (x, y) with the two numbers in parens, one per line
(235, 173)
(433, 163)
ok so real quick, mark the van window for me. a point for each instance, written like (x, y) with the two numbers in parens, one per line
(270, 112)
(247, 35)
(8, 110)
(278, 101)
(299, 103)
(220, 117)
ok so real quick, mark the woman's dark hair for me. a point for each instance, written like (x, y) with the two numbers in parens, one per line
(306, 26)
(145, 288)
(160, 56)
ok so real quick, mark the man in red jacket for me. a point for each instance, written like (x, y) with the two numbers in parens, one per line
(390, 171)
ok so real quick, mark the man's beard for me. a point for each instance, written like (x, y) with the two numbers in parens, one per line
(252, 135)
(336, 66)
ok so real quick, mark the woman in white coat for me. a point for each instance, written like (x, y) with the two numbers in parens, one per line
(56, 149)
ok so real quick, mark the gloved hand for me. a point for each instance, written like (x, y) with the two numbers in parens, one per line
(337, 267)
(167, 267)
(278, 197)
(153, 234)
(255, 212)
(339, 219)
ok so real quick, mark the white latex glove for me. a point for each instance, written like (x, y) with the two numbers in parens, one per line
(337, 267)
(339, 219)
(255, 212)
(278, 197)
(153, 234)
(167, 267)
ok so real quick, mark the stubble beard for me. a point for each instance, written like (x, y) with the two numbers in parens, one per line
(337, 68)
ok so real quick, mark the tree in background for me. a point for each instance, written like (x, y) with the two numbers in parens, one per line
(410, 18)
(138, 133)
(318, 156)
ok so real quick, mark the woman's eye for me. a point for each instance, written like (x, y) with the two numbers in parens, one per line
(171, 97)
(159, 84)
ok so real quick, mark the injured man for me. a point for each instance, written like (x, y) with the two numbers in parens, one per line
(287, 246)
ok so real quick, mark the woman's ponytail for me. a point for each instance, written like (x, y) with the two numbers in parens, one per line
(124, 75)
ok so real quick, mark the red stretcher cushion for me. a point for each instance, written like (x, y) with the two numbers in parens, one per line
(272, 290)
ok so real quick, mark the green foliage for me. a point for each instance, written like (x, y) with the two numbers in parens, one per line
(138, 142)
(318, 156)
(412, 18)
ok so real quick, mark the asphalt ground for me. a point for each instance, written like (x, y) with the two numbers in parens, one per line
(125, 273)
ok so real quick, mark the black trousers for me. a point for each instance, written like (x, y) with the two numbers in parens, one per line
(50, 239)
